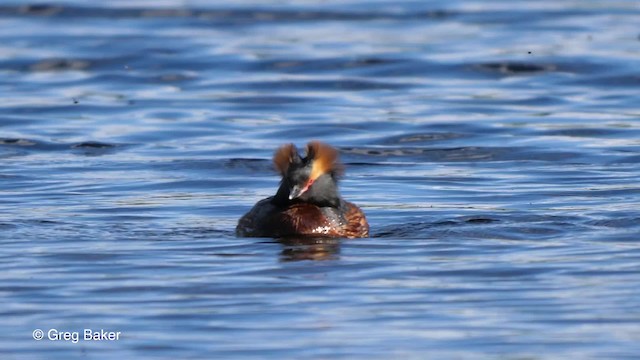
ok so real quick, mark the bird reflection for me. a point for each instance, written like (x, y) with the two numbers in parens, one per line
(309, 248)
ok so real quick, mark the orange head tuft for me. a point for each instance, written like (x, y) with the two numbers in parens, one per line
(324, 159)
(284, 157)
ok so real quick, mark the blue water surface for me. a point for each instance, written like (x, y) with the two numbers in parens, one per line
(494, 146)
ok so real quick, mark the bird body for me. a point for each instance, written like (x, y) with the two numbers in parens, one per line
(307, 202)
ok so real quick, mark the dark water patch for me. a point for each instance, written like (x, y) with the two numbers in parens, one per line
(21, 289)
(37, 222)
(95, 148)
(65, 108)
(410, 67)
(413, 69)
(356, 164)
(263, 101)
(526, 226)
(580, 175)
(39, 146)
(124, 78)
(542, 100)
(593, 192)
(480, 220)
(93, 145)
(525, 17)
(619, 238)
(297, 66)
(317, 85)
(30, 146)
(171, 232)
(38, 9)
(15, 121)
(469, 128)
(222, 16)
(202, 233)
(529, 232)
(424, 138)
(311, 131)
(374, 68)
(147, 289)
(85, 64)
(506, 273)
(624, 80)
(422, 178)
(83, 257)
(17, 142)
(174, 78)
(251, 165)
(197, 165)
(464, 154)
(591, 132)
(6, 226)
(619, 222)
(515, 68)
(407, 230)
(628, 160)
(422, 228)
(60, 65)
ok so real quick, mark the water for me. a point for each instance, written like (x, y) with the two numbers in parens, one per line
(494, 146)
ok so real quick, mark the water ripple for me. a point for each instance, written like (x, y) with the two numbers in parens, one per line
(494, 150)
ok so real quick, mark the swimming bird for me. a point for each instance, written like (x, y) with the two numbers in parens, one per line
(307, 202)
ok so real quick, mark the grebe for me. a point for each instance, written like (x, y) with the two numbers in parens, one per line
(307, 202)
